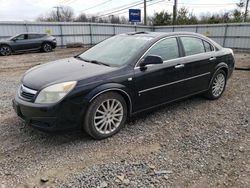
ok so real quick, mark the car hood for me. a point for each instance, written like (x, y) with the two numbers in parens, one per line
(4, 40)
(63, 70)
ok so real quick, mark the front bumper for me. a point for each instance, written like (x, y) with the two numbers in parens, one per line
(66, 115)
(54, 45)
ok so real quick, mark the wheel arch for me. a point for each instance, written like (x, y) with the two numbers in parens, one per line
(112, 87)
(44, 42)
(5, 44)
(221, 66)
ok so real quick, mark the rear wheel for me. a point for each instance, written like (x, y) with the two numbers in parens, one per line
(5, 50)
(218, 85)
(106, 115)
(47, 47)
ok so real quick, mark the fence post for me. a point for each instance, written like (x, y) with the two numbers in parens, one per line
(26, 27)
(61, 34)
(225, 35)
(196, 29)
(113, 29)
(90, 30)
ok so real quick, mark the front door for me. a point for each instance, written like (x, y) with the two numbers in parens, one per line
(20, 42)
(160, 83)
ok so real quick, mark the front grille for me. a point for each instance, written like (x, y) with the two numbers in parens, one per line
(27, 93)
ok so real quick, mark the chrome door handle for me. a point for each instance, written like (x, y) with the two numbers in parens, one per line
(212, 58)
(179, 66)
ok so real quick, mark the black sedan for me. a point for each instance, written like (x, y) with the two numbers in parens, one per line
(120, 77)
(27, 42)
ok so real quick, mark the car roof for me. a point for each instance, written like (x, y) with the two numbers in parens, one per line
(159, 35)
(162, 34)
(32, 33)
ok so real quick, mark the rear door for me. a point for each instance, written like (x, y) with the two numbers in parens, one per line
(198, 63)
(34, 41)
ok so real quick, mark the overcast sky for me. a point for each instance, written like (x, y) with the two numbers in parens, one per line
(18, 10)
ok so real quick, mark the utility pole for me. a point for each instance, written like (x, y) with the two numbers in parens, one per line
(246, 11)
(174, 12)
(145, 12)
(58, 12)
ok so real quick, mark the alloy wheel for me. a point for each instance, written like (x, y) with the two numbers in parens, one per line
(218, 85)
(108, 116)
(5, 50)
(47, 47)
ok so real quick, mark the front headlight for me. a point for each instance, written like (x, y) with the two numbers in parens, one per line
(55, 93)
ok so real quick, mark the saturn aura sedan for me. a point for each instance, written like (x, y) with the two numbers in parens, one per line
(120, 77)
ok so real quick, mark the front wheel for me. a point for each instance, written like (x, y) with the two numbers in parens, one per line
(218, 85)
(106, 115)
(47, 47)
(5, 50)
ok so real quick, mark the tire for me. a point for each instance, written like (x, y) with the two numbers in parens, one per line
(217, 86)
(101, 123)
(5, 50)
(46, 47)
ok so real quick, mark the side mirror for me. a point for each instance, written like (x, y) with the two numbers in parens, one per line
(14, 39)
(151, 59)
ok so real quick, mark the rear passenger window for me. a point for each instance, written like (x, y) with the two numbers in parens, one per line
(34, 36)
(208, 47)
(192, 45)
(167, 49)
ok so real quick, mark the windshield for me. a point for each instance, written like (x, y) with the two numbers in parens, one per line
(12, 37)
(115, 51)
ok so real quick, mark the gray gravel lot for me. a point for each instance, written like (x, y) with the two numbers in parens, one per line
(192, 143)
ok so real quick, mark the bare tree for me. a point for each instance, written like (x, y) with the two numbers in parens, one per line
(65, 14)
(82, 18)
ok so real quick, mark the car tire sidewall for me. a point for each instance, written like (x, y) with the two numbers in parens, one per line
(210, 94)
(89, 126)
(7, 47)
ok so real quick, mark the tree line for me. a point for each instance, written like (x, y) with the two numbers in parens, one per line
(184, 17)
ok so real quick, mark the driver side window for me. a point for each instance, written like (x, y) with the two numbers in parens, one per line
(167, 49)
(21, 37)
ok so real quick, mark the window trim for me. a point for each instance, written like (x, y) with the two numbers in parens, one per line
(180, 47)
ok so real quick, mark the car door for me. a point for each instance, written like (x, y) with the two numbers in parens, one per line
(34, 41)
(20, 42)
(197, 64)
(160, 83)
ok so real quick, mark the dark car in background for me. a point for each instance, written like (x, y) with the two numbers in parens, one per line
(27, 42)
(120, 77)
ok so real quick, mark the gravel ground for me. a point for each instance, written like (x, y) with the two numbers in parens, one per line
(192, 143)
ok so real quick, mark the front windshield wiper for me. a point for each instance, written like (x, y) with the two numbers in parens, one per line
(92, 61)
(79, 57)
(99, 63)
